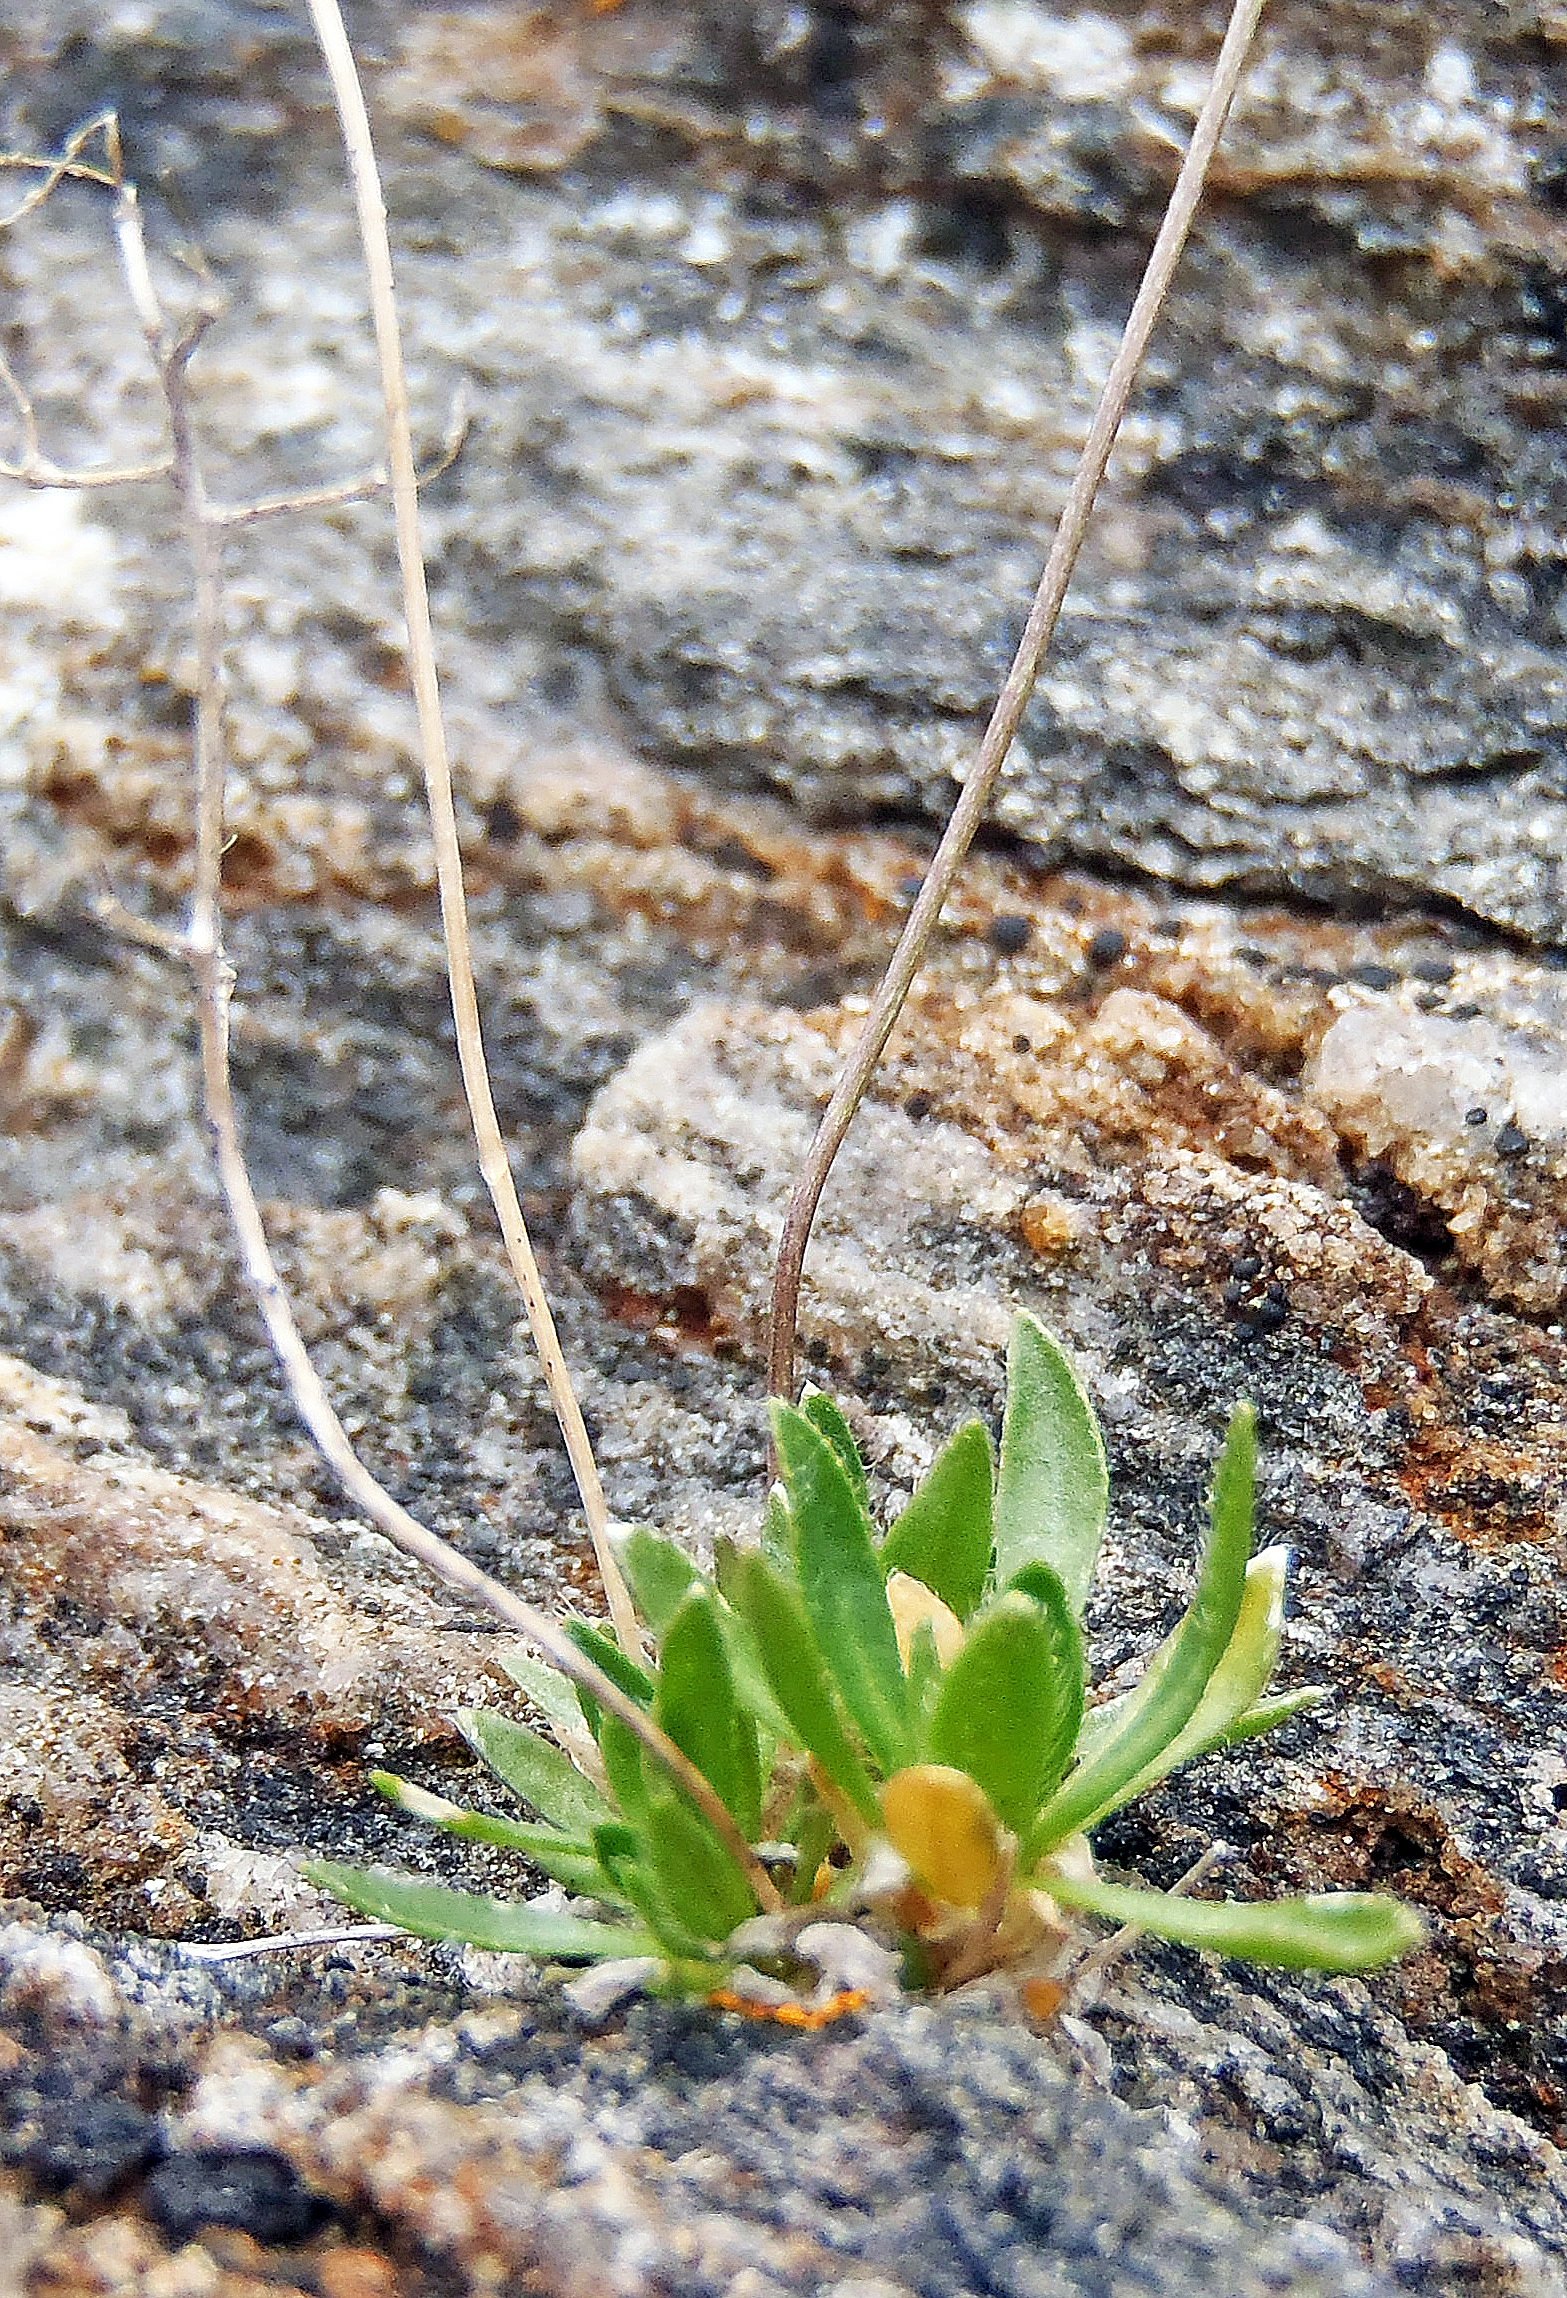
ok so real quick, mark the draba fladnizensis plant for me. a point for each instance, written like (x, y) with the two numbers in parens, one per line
(824, 1741)
(898, 1726)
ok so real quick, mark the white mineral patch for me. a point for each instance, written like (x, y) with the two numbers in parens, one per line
(1083, 59)
(37, 1971)
(56, 561)
(1394, 1075)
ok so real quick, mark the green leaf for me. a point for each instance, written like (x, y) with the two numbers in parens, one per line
(659, 1573)
(945, 1535)
(752, 1688)
(776, 1617)
(696, 1706)
(1329, 1931)
(621, 1852)
(1237, 1683)
(842, 1584)
(622, 1753)
(566, 1858)
(1159, 1709)
(1268, 1714)
(694, 1873)
(815, 1838)
(433, 1911)
(1012, 1699)
(605, 1653)
(533, 1768)
(1054, 1489)
(554, 1695)
(828, 1418)
(778, 1528)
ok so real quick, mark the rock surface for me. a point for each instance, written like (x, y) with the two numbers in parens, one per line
(782, 326)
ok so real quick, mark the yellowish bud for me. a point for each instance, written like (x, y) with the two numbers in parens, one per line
(941, 1822)
(912, 1604)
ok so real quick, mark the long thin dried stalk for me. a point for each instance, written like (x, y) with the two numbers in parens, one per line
(354, 119)
(201, 947)
(980, 782)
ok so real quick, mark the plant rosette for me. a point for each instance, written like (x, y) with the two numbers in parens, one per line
(898, 1728)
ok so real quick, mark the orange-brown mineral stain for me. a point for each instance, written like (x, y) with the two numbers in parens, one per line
(798, 2015)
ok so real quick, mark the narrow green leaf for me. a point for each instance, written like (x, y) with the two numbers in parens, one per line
(696, 1705)
(621, 1852)
(534, 1768)
(622, 1753)
(433, 1911)
(1237, 1683)
(554, 1695)
(694, 1873)
(776, 1617)
(778, 1529)
(1053, 1493)
(1012, 1700)
(1164, 1702)
(1329, 1931)
(945, 1535)
(605, 1653)
(566, 1858)
(659, 1573)
(815, 1838)
(752, 1688)
(841, 1582)
(1268, 1714)
(828, 1417)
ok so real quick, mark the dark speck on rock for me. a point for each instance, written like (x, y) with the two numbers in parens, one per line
(1268, 1313)
(503, 823)
(1477, 1116)
(1009, 934)
(1512, 1141)
(1107, 947)
(1374, 976)
(918, 1105)
(249, 2188)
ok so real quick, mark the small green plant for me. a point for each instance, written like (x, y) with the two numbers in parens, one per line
(900, 1730)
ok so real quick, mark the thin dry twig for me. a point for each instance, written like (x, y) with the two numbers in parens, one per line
(495, 1165)
(201, 946)
(1101, 1960)
(289, 1942)
(67, 164)
(980, 782)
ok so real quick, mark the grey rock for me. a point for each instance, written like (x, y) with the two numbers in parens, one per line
(783, 326)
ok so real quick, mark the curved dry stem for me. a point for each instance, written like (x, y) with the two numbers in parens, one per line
(201, 946)
(348, 96)
(980, 781)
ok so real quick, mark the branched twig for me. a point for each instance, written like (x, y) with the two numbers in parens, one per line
(364, 490)
(348, 96)
(54, 168)
(980, 781)
(201, 946)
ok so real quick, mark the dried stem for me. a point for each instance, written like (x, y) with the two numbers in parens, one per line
(201, 946)
(348, 96)
(980, 782)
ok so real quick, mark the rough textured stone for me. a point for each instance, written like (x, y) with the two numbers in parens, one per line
(782, 326)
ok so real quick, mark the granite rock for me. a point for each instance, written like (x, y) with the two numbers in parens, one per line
(782, 326)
